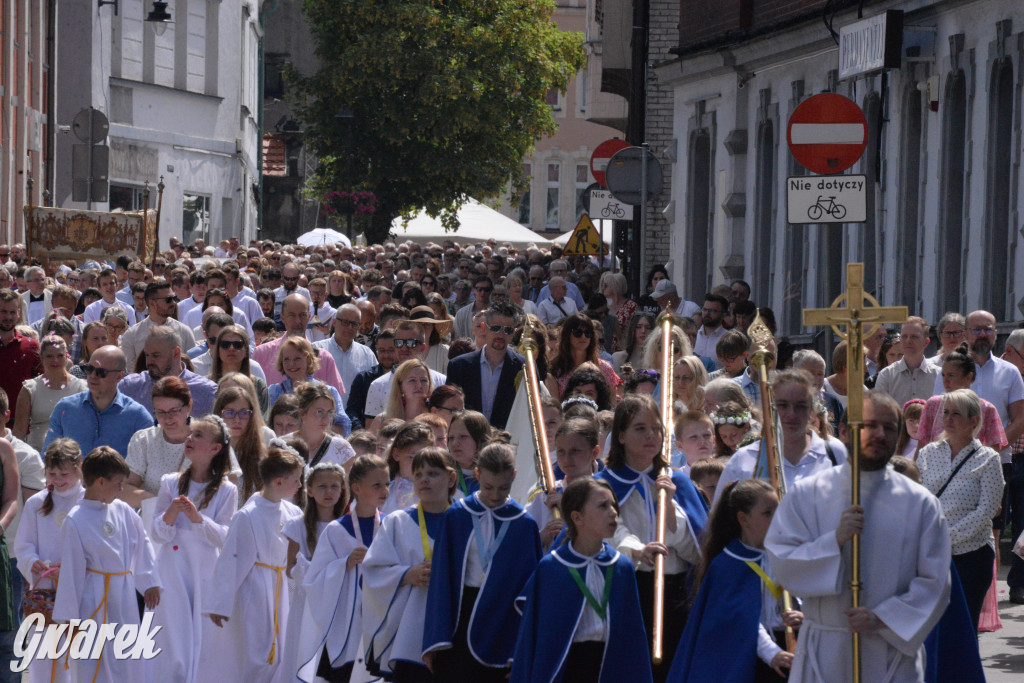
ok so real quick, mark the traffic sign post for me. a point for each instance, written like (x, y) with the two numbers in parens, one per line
(827, 133)
(604, 205)
(584, 240)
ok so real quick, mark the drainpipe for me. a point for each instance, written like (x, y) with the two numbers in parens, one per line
(259, 107)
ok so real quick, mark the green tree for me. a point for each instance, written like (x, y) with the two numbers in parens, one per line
(448, 98)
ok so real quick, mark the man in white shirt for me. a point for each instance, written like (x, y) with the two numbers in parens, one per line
(198, 286)
(558, 305)
(667, 296)
(239, 299)
(997, 381)
(107, 282)
(912, 376)
(712, 330)
(904, 566)
(350, 356)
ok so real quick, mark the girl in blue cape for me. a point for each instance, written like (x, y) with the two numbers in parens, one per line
(487, 551)
(581, 599)
(635, 466)
(726, 637)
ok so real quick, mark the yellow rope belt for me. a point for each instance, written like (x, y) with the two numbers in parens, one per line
(103, 605)
(277, 602)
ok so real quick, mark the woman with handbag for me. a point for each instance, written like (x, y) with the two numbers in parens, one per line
(967, 478)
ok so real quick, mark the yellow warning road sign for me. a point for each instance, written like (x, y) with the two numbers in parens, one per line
(585, 240)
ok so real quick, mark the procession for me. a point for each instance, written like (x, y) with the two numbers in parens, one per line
(365, 340)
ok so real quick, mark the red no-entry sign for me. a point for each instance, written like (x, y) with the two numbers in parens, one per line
(827, 133)
(602, 154)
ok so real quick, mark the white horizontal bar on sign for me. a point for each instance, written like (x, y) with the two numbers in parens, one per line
(827, 133)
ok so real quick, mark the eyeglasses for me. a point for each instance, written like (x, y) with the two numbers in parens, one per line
(168, 299)
(507, 329)
(290, 279)
(484, 290)
(240, 414)
(978, 331)
(952, 334)
(227, 344)
(347, 323)
(173, 412)
(408, 343)
(99, 372)
(583, 332)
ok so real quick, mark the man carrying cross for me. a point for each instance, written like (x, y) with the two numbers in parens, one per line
(875, 630)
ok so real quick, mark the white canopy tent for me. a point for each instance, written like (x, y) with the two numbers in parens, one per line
(478, 223)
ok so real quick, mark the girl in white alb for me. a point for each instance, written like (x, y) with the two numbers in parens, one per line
(38, 543)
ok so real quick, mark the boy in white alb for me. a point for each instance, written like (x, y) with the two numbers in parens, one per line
(105, 557)
(248, 594)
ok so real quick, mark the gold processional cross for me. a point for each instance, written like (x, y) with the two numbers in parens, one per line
(861, 308)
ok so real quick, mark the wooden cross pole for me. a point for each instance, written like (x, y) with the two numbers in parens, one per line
(861, 309)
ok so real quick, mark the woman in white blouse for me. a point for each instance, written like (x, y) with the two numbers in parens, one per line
(967, 478)
(159, 450)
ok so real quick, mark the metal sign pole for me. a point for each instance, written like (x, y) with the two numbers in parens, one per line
(90, 143)
(637, 272)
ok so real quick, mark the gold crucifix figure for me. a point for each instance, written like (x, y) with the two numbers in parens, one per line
(861, 309)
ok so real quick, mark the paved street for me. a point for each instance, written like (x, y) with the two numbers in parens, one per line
(1003, 651)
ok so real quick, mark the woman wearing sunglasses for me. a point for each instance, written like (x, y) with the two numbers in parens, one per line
(240, 411)
(231, 354)
(577, 345)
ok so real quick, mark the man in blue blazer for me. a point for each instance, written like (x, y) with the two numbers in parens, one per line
(487, 376)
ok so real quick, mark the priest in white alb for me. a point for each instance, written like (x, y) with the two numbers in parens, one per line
(905, 559)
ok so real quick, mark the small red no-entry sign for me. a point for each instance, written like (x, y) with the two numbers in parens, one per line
(827, 133)
(602, 155)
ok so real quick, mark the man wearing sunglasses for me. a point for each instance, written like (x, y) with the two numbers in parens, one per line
(487, 376)
(102, 415)
(410, 342)
(162, 306)
(289, 286)
(482, 288)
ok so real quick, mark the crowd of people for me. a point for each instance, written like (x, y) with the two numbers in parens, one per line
(317, 463)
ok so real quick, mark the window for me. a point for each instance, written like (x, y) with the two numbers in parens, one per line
(951, 194)
(195, 218)
(128, 198)
(551, 222)
(700, 211)
(910, 159)
(582, 182)
(554, 98)
(998, 233)
(524, 201)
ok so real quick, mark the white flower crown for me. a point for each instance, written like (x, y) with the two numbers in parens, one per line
(741, 419)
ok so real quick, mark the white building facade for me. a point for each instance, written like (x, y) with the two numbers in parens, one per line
(182, 103)
(944, 224)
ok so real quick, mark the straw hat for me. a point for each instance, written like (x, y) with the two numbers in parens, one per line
(425, 314)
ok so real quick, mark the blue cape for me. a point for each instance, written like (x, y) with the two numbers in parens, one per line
(720, 640)
(493, 624)
(552, 604)
(623, 481)
(951, 649)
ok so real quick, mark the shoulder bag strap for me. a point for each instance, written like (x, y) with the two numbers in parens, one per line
(962, 463)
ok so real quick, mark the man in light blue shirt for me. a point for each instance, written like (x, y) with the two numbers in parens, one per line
(350, 356)
(101, 416)
(560, 268)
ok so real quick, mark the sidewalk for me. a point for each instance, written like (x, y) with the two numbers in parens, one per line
(1002, 652)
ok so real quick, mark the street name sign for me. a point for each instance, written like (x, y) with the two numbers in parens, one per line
(827, 199)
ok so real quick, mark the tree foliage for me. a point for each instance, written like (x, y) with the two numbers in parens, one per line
(449, 97)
